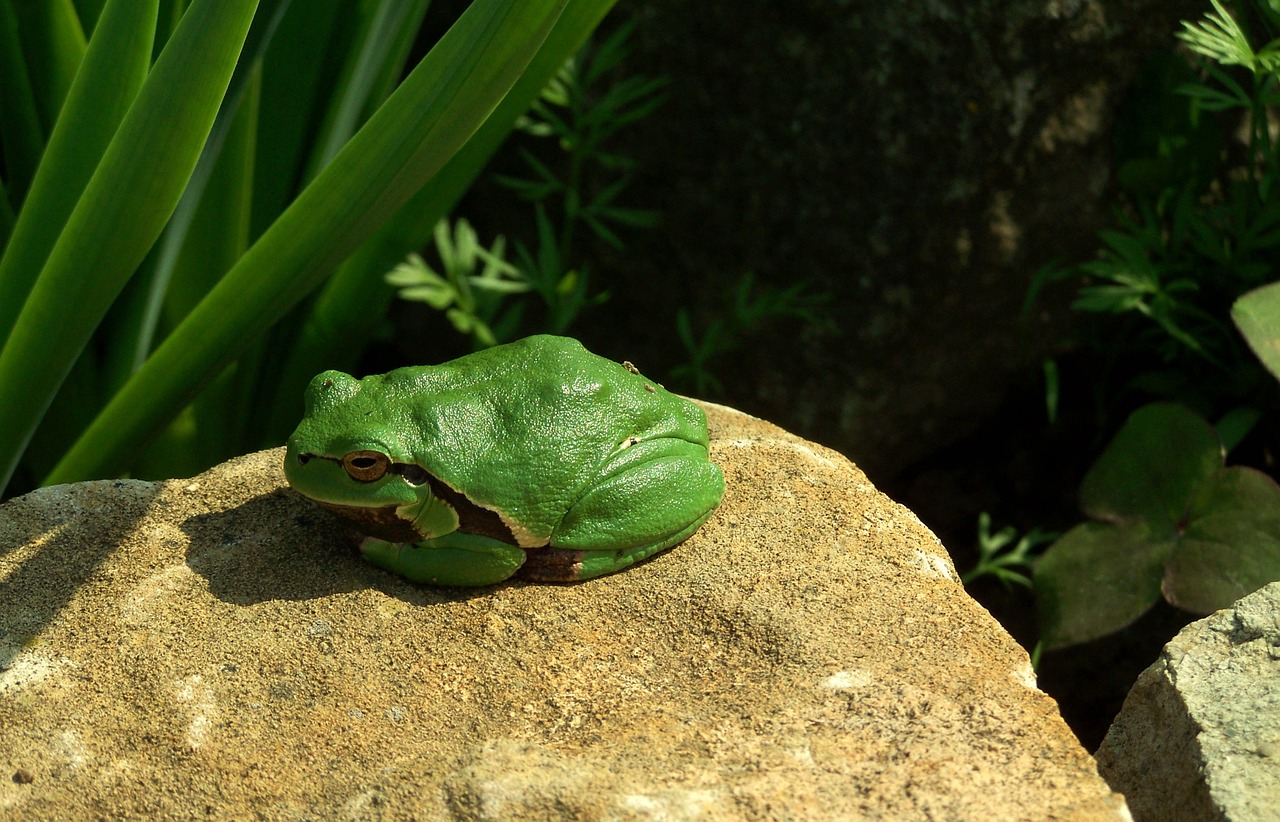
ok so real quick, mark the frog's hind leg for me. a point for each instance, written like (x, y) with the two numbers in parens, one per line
(454, 559)
(567, 565)
(655, 495)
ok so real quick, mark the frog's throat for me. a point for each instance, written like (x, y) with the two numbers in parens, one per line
(382, 522)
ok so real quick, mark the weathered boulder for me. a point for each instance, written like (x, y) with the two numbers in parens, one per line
(1199, 734)
(214, 646)
(917, 162)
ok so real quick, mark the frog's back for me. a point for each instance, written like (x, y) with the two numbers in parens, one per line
(524, 387)
(532, 421)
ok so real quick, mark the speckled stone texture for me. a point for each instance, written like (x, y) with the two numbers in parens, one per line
(1199, 734)
(215, 647)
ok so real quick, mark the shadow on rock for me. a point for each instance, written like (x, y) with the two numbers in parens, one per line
(279, 546)
(55, 539)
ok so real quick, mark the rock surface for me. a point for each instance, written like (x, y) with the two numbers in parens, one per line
(1199, 735)
(214, 646)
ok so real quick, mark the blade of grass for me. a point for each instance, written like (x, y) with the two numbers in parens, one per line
(375, 38)
(54, 44)
(140, 329)
(20, 131)
(410, 138)
(218, 237)
(397, 55)
(124, 207)
(294, 80)
(89, 11)
(115, 65)
(338, 324)
(6, 217)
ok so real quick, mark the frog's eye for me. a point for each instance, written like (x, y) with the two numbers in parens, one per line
(365, 466)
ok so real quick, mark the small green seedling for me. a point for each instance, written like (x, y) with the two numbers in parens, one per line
(1167, 518)
(1005, 556)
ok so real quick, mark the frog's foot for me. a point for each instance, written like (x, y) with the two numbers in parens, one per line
(455, 559)
(567, 565)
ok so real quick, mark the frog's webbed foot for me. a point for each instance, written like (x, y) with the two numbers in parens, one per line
(454, 559)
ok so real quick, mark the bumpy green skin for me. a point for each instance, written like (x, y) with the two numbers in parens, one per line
(535, 456)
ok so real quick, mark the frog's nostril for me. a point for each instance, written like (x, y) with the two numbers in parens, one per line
(303, 459)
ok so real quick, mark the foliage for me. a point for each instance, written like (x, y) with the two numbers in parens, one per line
(188, 241)
(1197, 238)
(573, 184)
(750, 308)
(468, 299)
(1219, 37)
(1257, 315)
(1004, 555)
(1198, 228)
(1166, 518)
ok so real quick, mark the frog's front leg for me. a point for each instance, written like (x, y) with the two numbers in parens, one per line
(454, 559)
(652, 496)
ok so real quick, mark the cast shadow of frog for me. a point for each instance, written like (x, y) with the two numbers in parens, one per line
(280, 546)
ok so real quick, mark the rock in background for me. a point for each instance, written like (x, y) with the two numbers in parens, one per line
(215, 647)
(917, 161)
(1199, 735)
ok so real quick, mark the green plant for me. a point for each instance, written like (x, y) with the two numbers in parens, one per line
(1004, 555)
(750, 308)
(1167, 518)
(469, 300)
(278, 190)
(574, 183)
(1198, 226)
(583, 108)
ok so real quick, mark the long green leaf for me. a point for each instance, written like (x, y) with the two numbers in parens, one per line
(375, 40)
(397, 55)
(433, 113)
(295, 80)
(6, 216)
(114, 67)
(54, 44)
(20, 131)
(124, 207)
(90, 11)
(338, 323)
(140, 331)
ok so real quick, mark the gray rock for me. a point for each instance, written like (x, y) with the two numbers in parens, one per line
(1199, 734)
(214, 646)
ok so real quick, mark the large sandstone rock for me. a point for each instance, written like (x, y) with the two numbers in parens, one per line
(1199, 735)
(215, 647)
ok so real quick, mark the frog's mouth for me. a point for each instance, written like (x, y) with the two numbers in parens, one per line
(381, 522)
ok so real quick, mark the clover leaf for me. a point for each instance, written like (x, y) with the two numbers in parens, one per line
(1167, 518)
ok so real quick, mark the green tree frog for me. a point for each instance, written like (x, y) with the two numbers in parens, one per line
(536, 456)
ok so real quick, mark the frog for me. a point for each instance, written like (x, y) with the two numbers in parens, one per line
(535, 459)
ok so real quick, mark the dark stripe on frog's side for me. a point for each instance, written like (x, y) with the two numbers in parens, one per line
(383, 522)
(375, 522)
(551, 565)
(472, 519)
